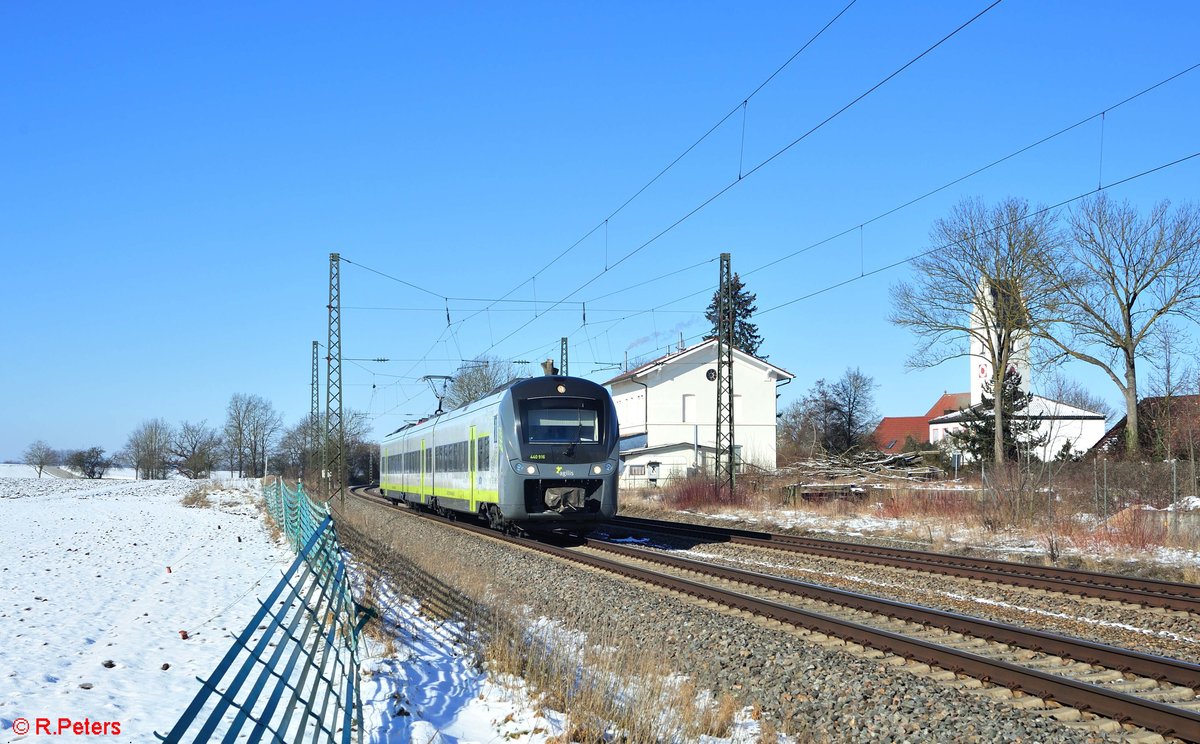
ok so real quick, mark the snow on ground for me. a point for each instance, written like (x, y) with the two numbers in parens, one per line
(13, 470)
(89, 615)
(432, 690)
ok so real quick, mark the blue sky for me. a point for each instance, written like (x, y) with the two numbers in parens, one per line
(174, 178)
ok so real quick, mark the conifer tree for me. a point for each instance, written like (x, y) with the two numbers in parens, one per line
(1020, 434)
(745, 333)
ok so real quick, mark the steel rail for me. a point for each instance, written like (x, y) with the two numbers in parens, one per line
(1147, 592)
(1111, 657)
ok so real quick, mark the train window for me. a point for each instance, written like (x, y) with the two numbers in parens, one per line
(562, 425)
(483, 453)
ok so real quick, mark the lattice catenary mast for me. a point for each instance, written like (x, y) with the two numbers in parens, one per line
(726, 463)
(335, 436)
(562, 357)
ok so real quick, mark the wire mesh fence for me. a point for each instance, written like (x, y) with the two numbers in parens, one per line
(292, 674)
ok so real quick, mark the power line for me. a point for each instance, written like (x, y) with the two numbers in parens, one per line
(977, 171)
(1043, 210)
(395, 279)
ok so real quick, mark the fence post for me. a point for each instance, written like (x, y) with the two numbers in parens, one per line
(1174, 501)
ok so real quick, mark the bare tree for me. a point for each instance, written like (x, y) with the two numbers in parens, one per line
(263, 424)
(854, 402)
(797, 434)
(476, 379)
(39, 455)
(294, 454)
(1118, 279)
(236, 431)
(830, 418)
(148, 449)
(251, 423)
(90, 463)
(195, 449)
(981, 285)
(1065, 390)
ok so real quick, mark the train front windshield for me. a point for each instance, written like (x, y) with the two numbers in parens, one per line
(562, 426)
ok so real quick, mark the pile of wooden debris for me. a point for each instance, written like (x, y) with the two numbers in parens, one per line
(860, 467)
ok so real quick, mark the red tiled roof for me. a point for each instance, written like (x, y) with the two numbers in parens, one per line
(949, 403)
(893, 431)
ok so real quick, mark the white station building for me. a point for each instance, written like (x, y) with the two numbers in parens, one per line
(667, 409)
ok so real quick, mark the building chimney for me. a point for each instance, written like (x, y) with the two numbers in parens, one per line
(548, 367)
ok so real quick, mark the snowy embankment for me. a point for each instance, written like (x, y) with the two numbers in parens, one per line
(90, 617)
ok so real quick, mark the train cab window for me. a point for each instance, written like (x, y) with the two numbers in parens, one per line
(562, 425)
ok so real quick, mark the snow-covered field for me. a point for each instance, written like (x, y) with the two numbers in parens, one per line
(90, 616)
(13, 470)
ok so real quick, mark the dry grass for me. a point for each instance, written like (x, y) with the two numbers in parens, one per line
(1086, 515)
(198, 498)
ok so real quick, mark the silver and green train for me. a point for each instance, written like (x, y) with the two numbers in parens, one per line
(541, 455)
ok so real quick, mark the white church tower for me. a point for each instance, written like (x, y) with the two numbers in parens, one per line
(983, 317)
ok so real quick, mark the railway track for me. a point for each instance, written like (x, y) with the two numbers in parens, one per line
(1155, 693)
(1145, 592)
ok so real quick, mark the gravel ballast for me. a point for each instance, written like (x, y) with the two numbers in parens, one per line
(820, 693)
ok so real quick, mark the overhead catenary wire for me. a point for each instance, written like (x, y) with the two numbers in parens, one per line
(934, 249)
(769, 159)
(604, 223)
(860, 225)
(976, 171)
(943, 246)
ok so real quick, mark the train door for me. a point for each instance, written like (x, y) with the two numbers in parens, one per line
(423, 500)
(471, 466)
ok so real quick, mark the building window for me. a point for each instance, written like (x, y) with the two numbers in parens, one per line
(637, 469)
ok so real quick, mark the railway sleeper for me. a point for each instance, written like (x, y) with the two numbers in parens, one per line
(1174, 694)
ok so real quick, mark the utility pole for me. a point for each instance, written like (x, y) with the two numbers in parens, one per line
(726, 463)
(562, 358)
(335, 440)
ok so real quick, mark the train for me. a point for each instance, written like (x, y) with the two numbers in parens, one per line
(540, 455)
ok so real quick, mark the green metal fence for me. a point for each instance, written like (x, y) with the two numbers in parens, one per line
(292, 674)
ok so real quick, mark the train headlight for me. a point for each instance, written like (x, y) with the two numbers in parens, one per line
(531, 469)
(522, 468)
(597, 469)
